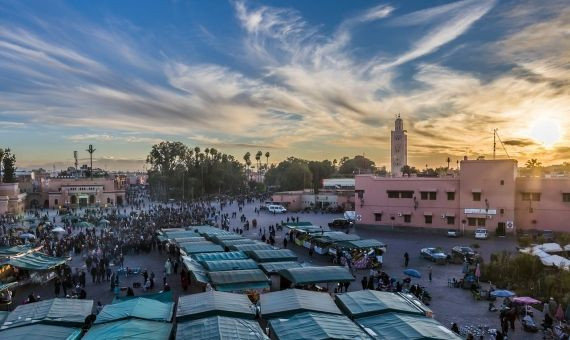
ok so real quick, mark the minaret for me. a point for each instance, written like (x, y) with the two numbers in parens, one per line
(399, 150)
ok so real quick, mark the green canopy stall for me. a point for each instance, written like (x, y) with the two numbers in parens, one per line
(288, 302)
(395, 326)
(275, 267)
(315, 326)
(140, 308)
(199, 273)
(130, 329)
(253, 246)
(220, 328)
(229, 255)
(371, 302)
(35, 261)
(313, 275)
(41, 331)
(239, 280)
(229, 243)
(218, 266)
(200, 247)
(60, 312)
(272, 255)
(214, 303)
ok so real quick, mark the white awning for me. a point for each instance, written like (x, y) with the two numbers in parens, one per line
(449, 214)
(406, 213)
(476, 190)
(428, 213)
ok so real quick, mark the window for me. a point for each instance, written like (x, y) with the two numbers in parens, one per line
(424, 195)
(471, 221)
(56, 202)
(407, 218)
(377, 217)
(477, 196)
(502, 211)
(531, 196)
(526, 196)
(502, 182)
(481, 222)
(428, 219)
(566, 197)
(451, 196)
(393, 194)
(450, 220)
(407, 194)
(535, 196)
(432, 196)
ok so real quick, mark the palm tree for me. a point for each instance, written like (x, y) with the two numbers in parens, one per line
(533, 164)
(267, 154)
(335, 162)
(207, 152)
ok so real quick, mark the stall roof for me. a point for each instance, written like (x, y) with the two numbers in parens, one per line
(256, 246)
(201, 247)
(229, 243)
(229, 255)
(35, 261)
(180, 234)
(3, 316)
(214, 303)
(15, 250)
(218, 266)
(218, 238)
(272, 255)
(180, 240)
(361, 244)
(200, 273)
(41, 331)
(130, 329)
(5, 286)
(338, 236)
(274, 267)
(315, 326)
(139, 308)
(292, 301)
(219, 328)
(234, 280)
(61, 312)
(311, 275)
(371, 302)
(164, 296)
(405, 326)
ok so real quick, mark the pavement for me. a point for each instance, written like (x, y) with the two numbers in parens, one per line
(448, 304)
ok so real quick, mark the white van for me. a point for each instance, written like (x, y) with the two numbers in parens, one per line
(276, 209)
(481, 234)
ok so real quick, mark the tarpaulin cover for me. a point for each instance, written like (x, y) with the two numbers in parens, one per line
(61, 312)
(228, 243)
(292, 301)
(274, 267)
(316, 326)
(162, 297)
(214, 303)
(218, 237)
(36, 261)
(218, 266)
(235, 280)
(229, 255)
(201, 247)
(405, 326)
(130, 329)
(3, 316)
(198, 271)
(272, 255)
(140, 308)
(180, 240)
(220, 328)
(253, 246)
(180, 234)
(337, 236)
(311, 275)
(41, 331)
(371, 302)
(4, 286)
(15, 250)
(361, 244)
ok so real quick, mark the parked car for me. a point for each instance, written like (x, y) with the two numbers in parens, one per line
(461, 253)
(452, 233)
(436, 255)
(481, 234)
(276, 209)
(340, 223)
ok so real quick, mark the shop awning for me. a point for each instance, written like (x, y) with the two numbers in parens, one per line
(15, 250)
(239, 280)
(315, 326)
(406, 213)
(476, 190)
(312, 275)
(428, 190)
(220, 327)
(449, 214)
(405, 326)
(217, 266)
(139, 308)
(428, 213)
(41, 331)
(130, 329)
(293, 301)
(61, 312)
(199, 273)
(214, 303)
(36, 261)
(337, 236)
(228, 255)
(274, 255)
(274, 267)
(371, 302)
(361, 244)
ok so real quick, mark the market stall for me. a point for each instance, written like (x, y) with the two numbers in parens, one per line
(214, 303)
(310, 325)
(249, 280)
(293, 301)
(220, 327)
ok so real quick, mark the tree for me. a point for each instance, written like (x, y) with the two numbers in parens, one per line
(290, 174)
(267, 154)
(319, 171)
(381, 171)
(533, 164)
(258, 156)
(409, 170)
(359, 164)
(9, 165)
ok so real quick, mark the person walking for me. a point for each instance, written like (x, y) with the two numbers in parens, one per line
(429, 273)
(406, 259)
(364, 282)
(57, 283)
(168, 267)
(285, 242)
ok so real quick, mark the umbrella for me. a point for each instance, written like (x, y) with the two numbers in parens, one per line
(27, 236)
(58, 230)
(413, 273)
(104, 221)
(502, 293)
(526, 300)
(84, 224)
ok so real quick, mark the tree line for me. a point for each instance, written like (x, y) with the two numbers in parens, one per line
(7, 166)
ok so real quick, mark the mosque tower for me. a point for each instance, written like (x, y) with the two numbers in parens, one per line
(399, 147)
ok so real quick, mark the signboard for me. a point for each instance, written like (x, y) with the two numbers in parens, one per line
(510, 225)
(481, 211)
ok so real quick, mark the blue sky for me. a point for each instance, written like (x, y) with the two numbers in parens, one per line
(314, 79)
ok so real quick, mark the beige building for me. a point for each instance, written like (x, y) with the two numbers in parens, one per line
(11, 200)
(399, 148)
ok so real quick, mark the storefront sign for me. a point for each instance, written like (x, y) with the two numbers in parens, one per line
(481, 211)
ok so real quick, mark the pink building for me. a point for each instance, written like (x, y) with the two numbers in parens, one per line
(11, 200)
(487, 193)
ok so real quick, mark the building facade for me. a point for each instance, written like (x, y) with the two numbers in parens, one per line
(486, 193)
(12, 201)
(399, 148)
(308, 199)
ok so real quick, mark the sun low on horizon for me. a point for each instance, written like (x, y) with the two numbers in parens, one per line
(546, 131)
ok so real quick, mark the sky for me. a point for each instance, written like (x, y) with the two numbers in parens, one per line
(312, 79)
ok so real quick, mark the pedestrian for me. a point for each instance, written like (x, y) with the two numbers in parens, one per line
(364, 282)
(168, 267)
(346, 285)
(429, 273)
(406, 259)
(57, 283)
(285, 242)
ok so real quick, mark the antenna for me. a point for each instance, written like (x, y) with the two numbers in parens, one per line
(91, 151)
(496, 134)
(494, 143)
